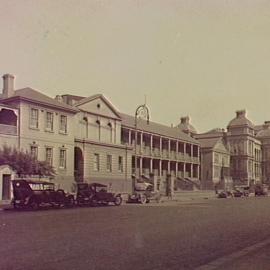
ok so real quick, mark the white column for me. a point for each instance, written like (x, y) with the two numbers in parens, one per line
(160, 167)
(185, 146)
(177, 148)
(129, 137)
(151, 165)
(184, 169)
(198, 171)
(169, 148)
(176, 169)
(151, 144)
(141, 165)
(169, 167)
(191, 150)
(191, 170)
(160, 146)
(141, 142)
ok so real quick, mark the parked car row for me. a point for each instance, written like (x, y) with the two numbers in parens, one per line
(259, 190)
(28, 194)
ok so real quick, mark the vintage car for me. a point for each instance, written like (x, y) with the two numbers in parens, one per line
(261, 190)
(34, 194)
(143, 193)
(96, 194)
(241, 191)
(224, 194)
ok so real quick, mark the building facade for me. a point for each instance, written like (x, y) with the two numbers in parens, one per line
(87, 140)
(245, 150)
(215, 160)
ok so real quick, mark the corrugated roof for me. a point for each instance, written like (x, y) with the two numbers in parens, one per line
(33, 95)
(152, 127)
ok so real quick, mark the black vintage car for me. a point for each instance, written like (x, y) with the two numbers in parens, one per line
(34, 194)
(96, 194)
(261, 190)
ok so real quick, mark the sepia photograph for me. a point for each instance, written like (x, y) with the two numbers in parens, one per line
(134, 135)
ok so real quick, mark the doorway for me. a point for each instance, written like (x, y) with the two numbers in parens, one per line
(6, 186)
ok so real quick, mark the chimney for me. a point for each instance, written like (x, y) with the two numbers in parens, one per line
(266, 125)
(185, 120)
(8, 85)
(241, 113)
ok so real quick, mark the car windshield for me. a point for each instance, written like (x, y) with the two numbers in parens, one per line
(35, 186)
(41, 186)
(101, 189)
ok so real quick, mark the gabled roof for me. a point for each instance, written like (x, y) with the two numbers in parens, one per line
(152, 127)
(29, 94)
(103, 98)
(208, 143)
(213, 133)
(211, 143)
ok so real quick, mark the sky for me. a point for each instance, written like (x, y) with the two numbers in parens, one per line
(203, 58)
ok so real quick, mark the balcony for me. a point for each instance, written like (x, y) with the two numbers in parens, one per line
(8, 129)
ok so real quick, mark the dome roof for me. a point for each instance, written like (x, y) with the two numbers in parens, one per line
(240, 120)
(185, 126)
(265, 132)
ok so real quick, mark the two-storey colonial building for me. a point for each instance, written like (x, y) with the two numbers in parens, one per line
(163, 153)
(43, 126)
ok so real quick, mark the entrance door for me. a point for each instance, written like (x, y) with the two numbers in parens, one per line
(6, 187)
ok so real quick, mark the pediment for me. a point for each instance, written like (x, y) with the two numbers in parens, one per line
(219, 146)
(99, 105)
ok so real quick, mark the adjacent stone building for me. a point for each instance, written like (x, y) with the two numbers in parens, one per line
(215, 160)
(245, 149)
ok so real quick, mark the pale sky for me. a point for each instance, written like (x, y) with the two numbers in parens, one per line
(204, 58)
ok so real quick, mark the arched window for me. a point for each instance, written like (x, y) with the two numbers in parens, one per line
(85, 122)
(98, 126)
(111, 131)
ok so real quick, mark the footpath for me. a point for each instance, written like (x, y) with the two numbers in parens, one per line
(255, 257)
(185, 196)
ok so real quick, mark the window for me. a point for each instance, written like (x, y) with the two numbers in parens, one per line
(96, 162)
(98, 126)
(34, 151)
(63, 123)
(109, 163)
(34, 118)
(49, 121)
(111, 131)
(49, 155)
(63, 156)
(120, 164)
(216, 158)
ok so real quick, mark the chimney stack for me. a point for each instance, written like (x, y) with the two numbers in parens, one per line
(8, 86)
(185, 120)
(241, 113)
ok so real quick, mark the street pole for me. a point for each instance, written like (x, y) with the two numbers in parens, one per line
(142, 111)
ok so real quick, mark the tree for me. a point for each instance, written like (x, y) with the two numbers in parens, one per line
(24, 164)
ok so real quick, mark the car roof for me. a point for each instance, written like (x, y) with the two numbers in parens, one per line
(97, 185)
(29, 181)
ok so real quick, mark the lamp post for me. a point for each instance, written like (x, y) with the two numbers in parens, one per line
(142, 111)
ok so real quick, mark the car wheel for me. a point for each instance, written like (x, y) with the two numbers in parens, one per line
(143, 199)
(70, 201)
(118, 200)
(34, 205)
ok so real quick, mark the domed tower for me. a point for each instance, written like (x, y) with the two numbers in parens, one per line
(264, 136)
(186, 127)
(245, 150)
